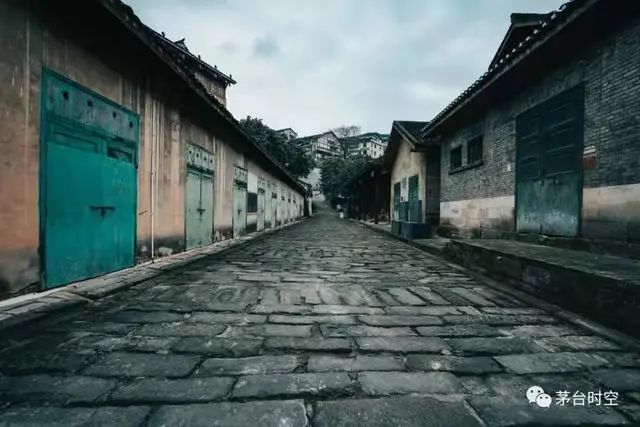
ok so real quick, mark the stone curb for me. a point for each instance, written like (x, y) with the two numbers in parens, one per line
(625, 341)
(80, 294)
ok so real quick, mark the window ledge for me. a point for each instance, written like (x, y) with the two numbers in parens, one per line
(467, 167)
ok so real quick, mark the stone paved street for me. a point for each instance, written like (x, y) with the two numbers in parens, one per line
(326, 324)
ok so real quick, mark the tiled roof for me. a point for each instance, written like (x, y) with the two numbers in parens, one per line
(178, 48)
(127, 16)
(553, 20)
(412, 128)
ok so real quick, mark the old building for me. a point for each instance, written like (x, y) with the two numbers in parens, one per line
(414, 169)
(370, 144)
(288, 133)
(115, 149)
(321, 146)
(546, 141)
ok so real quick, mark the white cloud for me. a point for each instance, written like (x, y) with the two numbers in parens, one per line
(313, 65)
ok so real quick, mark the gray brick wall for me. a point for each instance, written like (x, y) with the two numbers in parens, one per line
(610, 71)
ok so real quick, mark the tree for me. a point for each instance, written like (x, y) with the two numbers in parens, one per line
(291, 156)
(344, 133)
(347, 131)
(337, 171)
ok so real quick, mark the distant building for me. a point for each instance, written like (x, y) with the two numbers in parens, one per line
(371, 144)
(321, 146)
(288, 133)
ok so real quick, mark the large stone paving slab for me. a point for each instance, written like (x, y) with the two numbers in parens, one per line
(323, 324)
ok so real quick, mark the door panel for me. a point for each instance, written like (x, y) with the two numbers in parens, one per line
(274, 209)
(240, 210)
(206, 204)
(414, 201)
(71, 225)
(549, 140)
(260, 213)
(193, 220)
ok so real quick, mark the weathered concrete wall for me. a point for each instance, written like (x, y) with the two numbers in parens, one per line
(406, 165)
(610, 71)
(30, 41)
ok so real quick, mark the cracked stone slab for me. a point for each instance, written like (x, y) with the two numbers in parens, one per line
(459, 331)
(405, 411)
(520, 412)
(390, 320)
(316, 384)
(461, 365)
(330, 331)
(54, 389)
(309, 344)
(264, 414)
(402, 344)
(575, 343)
(233, 318)
(257, 365)
(222, 347)
(493, 346)
(386, 383)
(550, 362)
(324, 363)
(158, 390)
(131, 416)
(346, 309)
(310, 320)
(143, 365)
(432, 310)
(270, 330)
(180, 330)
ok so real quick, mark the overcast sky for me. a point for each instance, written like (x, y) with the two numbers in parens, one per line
(317, 64)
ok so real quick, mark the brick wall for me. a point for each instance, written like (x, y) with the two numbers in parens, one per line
(610, 71)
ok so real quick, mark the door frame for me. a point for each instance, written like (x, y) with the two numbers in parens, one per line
(577, 91)
(201, 171)
(46, 75)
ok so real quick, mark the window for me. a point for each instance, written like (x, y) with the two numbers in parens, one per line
(456, 158)
(474, 150)
(252, 203)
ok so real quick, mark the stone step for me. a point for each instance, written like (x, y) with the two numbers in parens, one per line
(601, 287)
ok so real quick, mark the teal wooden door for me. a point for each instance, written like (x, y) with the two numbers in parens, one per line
(193, 217)
(88, 183)
(206, 216)
(549, 143)
(199, 206)
(415, 208)
(274, 210)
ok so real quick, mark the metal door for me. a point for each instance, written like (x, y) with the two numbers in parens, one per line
(260, 213)
(549, 140)
(88, 183)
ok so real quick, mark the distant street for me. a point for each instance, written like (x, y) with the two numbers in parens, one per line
(326, 324)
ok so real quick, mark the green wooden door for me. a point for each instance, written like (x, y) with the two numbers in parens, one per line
(193, 219)
(549, 141)
(274, 210)
(199, 206)
(88, 183)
